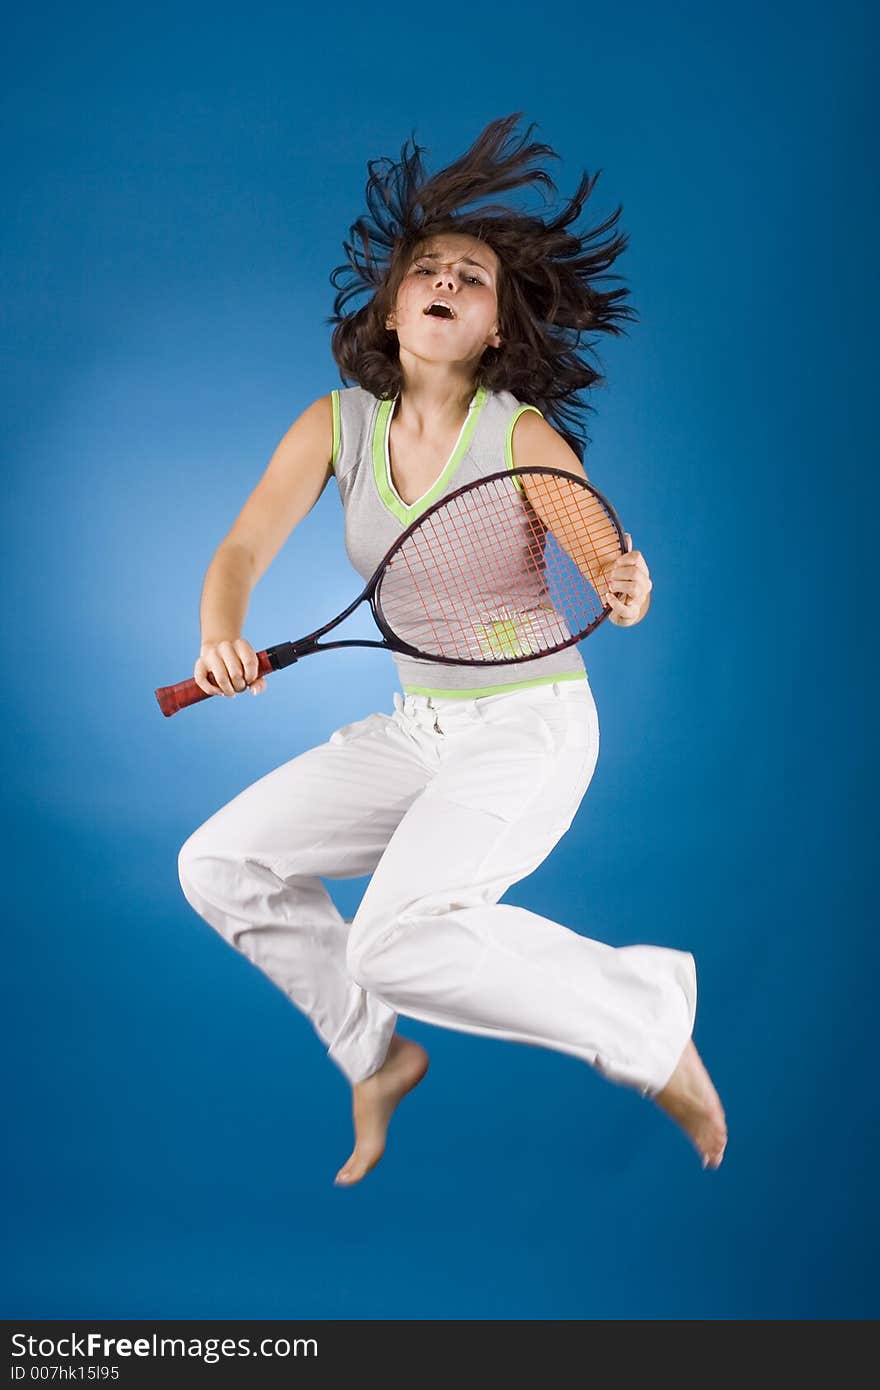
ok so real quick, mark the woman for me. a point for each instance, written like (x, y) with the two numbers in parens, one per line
(465, 352)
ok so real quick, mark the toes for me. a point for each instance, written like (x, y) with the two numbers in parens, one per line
(713, 1160)
(356, 1168)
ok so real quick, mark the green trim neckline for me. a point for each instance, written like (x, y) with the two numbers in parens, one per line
(406, 514)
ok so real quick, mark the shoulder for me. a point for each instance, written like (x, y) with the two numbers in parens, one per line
(353, 403)
(353, 413)
(355, 395)
(534, 443)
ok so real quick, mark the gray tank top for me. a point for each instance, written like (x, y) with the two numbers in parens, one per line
(375, 517)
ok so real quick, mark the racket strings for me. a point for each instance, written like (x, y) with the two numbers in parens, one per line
(501, 572)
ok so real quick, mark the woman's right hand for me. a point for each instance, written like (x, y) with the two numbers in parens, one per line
(233, 664)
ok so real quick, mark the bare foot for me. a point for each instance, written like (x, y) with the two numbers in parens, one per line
(374, 1102)
(691, 1099)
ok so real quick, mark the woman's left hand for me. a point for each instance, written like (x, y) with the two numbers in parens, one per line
(628, 577)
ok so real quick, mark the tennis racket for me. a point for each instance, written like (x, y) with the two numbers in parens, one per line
(500, 571)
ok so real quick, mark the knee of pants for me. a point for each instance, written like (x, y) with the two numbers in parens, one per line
(359, 961)
(235, 890)
(366, 950)
(370, 942)
(211, 881)
(193, 860)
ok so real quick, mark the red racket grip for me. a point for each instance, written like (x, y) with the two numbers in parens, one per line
(176, 697)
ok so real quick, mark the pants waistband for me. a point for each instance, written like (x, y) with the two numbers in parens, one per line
(556, 690)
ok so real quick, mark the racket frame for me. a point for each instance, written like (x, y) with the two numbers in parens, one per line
(286, 653)
(283, 654)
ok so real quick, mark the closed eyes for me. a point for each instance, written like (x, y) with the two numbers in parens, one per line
(420, 269)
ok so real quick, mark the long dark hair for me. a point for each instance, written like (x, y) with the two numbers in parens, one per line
(547, 291)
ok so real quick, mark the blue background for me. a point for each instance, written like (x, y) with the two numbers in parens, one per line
(177, 186)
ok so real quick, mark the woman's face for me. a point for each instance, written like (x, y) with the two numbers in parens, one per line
(463, 272)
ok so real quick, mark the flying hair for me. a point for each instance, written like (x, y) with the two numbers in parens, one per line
(549, 295)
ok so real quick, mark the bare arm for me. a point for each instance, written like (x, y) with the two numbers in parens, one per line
(588, 539)
(225, 592)
(294, 479)
(621, 581)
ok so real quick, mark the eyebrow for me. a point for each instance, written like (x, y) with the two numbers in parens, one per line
(433, 256)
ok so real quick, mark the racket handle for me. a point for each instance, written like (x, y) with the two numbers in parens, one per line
(176, 697)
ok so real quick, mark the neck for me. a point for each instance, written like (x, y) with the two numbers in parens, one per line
(433, 398)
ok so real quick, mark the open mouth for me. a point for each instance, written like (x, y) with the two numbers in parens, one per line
(439, 310)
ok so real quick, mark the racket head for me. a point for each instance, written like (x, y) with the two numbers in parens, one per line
(503, 570)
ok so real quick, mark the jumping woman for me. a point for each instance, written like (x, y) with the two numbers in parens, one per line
(465, 360)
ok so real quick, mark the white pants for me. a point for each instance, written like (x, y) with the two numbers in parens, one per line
(447, 802)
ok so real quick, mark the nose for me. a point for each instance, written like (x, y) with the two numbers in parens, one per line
(444, 275)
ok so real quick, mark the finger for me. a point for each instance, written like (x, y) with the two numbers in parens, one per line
(233, 665)
(622, 587)
(634, 563)
(627, 567)
(218, 670)
(622, 617)
(248, 658)
(200, 676)
(221, 676)
(617, 605)
(636, 593)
